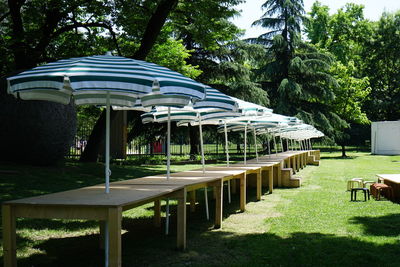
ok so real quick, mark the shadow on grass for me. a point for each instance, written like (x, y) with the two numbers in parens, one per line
(339, 157)
(26, 181)
(388, 225)
(142, 246)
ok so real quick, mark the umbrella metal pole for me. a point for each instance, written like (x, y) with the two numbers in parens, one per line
(168, 167)
(201, 145)
(227, 160)
(255, 142)
(108, 143)
(203, 164)
(287, 144)
(269, 146)
(107, 170)
(226, 145)
(245, 143)
(167, 217)
(169, 143)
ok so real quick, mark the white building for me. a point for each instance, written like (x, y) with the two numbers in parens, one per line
(385, 138)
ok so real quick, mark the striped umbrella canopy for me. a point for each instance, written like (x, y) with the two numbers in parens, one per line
(104, 80)
(250, 109)
(259, 124)
(214, 106)
(301, 133)
(89, 79)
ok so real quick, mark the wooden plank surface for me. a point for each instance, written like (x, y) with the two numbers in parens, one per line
(95, 196)
(395, 178)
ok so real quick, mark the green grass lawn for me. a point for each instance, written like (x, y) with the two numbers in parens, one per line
(315, 225)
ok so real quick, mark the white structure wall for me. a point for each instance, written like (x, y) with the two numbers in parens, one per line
(385, 138)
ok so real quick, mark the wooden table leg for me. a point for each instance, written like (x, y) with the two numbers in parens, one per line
(278, 172)
(294, 167)
(181, 223)
(243, 192)
(157, 213)
(218, 187)
(193, 201)
(102, 228)
(233, 186)
(259, 185)
(9, 237)
(114, 233)
(271, 179)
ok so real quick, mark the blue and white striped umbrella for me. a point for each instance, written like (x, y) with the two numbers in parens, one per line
(89, 79)
(216, 105)
(103, 80)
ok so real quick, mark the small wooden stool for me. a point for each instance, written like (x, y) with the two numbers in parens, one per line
(354, 192)
(378, 190)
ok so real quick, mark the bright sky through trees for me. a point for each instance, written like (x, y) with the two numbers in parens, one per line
(251, 10)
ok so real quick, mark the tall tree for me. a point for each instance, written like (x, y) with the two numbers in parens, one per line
(148, 40)
(294, 73)
(206, 29)
(351, 94)
(382, 66)
(29, 31)
(344, 34)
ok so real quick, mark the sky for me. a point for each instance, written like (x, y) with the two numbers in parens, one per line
(251, 11)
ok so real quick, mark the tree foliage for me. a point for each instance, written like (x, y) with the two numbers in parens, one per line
(294, 73)
(382, 65)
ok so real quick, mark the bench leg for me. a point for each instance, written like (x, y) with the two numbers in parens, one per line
(157, 213)
(9, 237)
(219, 203)
(193, 201)
(243, 192)
(114, 229)
(181, 224)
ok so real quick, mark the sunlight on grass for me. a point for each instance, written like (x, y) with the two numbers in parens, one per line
(313, 225)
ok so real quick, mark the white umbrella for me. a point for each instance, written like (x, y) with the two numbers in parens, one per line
(211, 108)
(101, 80)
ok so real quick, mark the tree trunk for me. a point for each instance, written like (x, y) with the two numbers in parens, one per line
(97, 136)
(154, 27)
(343, 151)
(194, 141)
(151, 33)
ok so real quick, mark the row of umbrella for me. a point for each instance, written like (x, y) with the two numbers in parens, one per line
(165, 96)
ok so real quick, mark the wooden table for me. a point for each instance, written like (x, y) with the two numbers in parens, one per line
(230, 174)
(394, 181)
(277, 164)
(91, 203)
(265, 180)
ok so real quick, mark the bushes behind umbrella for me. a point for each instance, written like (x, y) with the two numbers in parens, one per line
(37, 132)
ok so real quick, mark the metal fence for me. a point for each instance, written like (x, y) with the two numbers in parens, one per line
(140, 147)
